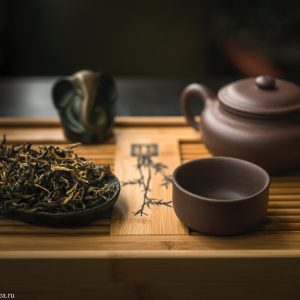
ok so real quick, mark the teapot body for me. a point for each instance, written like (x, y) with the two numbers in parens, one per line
(272, 143)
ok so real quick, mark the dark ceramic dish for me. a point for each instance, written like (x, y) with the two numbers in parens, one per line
(220, 195)
(68, 219)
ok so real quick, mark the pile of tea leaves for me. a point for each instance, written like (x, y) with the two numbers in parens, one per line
(50, 179)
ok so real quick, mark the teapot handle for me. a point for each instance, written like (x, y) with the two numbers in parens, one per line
(194, 90)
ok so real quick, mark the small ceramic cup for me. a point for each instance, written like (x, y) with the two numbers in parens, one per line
(220, 195)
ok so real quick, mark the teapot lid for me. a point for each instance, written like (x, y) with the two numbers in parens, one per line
(263, 95)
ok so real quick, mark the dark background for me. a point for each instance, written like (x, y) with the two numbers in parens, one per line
(206, 41)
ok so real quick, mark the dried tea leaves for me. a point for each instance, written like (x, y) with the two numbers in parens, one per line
(50, 179)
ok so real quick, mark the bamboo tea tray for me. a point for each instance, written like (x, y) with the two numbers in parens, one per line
(141, 250)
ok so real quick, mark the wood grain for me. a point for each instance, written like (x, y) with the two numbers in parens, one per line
(165, 262)
(151, 275)
(153, 219)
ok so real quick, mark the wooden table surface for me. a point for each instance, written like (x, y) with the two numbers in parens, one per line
(151, 256)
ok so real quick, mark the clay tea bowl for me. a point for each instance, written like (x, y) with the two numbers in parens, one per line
(220, 195)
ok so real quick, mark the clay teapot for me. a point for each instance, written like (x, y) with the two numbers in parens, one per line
(256, 119)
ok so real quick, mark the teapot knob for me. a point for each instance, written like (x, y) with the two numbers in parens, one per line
(265, 82)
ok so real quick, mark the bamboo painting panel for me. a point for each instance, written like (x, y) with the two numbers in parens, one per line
(144, 165)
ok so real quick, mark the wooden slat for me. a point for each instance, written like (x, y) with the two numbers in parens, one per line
(284, 212)
(9, 226)
(284, 191)
(281, 227)
(167, 275)
(285, 197)
(286, 185)
(286, 219)
(252, 241)
(33, 135)
(286, 179)
(284, 204)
